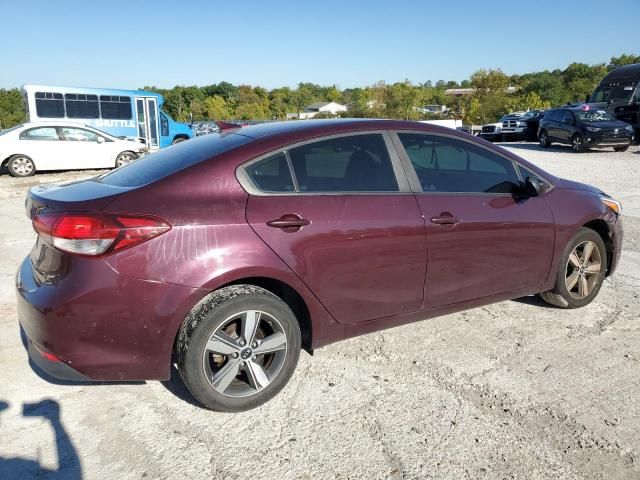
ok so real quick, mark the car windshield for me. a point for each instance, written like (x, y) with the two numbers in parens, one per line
(2, 132)
(593, 116)
(621, 94)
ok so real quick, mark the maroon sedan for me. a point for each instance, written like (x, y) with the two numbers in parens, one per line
(229, 253)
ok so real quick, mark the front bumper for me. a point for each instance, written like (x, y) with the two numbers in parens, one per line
(92, 323)
(600, 140)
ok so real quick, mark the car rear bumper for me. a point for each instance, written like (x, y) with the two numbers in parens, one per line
(94, 324)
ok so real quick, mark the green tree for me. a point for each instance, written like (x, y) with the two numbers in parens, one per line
(216, 108)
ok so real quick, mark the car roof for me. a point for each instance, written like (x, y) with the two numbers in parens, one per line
(307, 128)
(53, 123)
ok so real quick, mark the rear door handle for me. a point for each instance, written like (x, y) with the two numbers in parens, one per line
(289, 222)
(445, 219)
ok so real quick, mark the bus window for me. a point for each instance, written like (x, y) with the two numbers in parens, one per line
(81, 106)
(114, 107)
(164, 125)
(49, 105)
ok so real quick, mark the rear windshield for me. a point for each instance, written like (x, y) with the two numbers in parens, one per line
(158, 165)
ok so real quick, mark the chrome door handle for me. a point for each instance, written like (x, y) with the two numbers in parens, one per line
(445, 219)
(289, 222)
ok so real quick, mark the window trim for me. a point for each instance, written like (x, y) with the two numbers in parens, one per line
(414, 181)
(398, 169)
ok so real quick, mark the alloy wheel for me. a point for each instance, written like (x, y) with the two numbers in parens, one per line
(22, 166)
(576, 143)
(245, 353)
(123, 159)
(583, 269)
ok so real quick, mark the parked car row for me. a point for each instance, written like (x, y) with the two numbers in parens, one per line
(581, 126)
(27, 148)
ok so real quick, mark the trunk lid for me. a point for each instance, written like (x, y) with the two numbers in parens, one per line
(81, 196)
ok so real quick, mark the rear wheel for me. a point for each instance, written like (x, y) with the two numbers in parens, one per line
(238, 348)
(621, 149)
(577, 143)
(544, 139)
(21, 166)
(124, 158)
(581, 272)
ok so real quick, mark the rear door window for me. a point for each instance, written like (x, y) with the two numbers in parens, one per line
(449, 165)
(40, 133)
(354, 163)
(567, 117)
(272, 174)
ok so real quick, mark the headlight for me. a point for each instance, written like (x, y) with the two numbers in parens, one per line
(629, 128)
(612, 204)
(593, 129)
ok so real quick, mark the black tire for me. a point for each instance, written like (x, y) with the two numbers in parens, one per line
(544, 139)
(178, 140)
(199, 366)
(124, 158)
(621, 149)
(561, 296)
(577, 143)
(21, 166)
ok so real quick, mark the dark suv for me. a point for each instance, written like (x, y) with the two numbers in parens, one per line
(584, 127)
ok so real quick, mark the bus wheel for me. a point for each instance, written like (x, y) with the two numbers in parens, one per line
(21, 166)
(124, 158)
(178, 140)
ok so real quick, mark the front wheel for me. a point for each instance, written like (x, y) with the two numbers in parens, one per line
(125, 158)
(238, 348)
(178, 140)
(21, 166)
(544, 140)
(581, 272)
(577, 143)
(621, 149)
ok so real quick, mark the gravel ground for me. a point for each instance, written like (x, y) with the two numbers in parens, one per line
(513, 390)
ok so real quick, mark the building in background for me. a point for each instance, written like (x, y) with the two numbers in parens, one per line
(310, 111)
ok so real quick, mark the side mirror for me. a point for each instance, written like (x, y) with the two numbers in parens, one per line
(100, 139)
(532, 186)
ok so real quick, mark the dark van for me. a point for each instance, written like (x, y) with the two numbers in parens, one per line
(619, 94)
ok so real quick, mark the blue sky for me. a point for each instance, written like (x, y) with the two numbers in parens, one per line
(128, 44)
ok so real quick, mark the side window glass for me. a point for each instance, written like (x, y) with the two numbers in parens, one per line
(49, 105)
(115, 107)
(446, 164)
(41, 133)
(164, 125)
(81, 106)
(355, 163)
(568, 117)
(272, 174)
(70, 134)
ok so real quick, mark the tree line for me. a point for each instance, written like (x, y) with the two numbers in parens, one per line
(402, 100)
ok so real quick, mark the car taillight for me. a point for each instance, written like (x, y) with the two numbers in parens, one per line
(97, 234)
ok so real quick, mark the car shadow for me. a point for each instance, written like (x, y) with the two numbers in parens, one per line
(69, 466)
(533, 300)
(176, 386)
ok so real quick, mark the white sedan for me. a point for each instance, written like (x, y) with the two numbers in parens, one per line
(63, 146)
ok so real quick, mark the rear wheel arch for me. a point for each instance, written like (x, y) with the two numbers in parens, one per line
(283, 291)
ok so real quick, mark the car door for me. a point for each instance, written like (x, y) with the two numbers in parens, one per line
(553, 127)
(339, 212)
(42, 144)
(482, 239)
(83, 149)
(567, 126)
